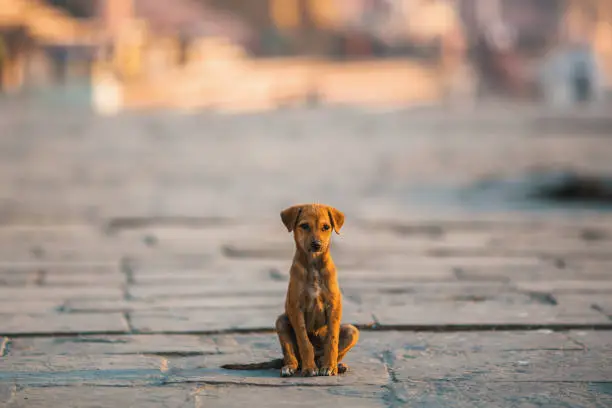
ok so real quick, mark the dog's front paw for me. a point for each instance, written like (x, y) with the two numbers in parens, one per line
(328, 371)
(288, 371)
(309, 372)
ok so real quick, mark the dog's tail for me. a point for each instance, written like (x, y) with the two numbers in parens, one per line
(275, 364)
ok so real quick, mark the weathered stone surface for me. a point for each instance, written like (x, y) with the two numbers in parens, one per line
(16, 278)
(77, 370)
(567, 286)
(599, 302)
(194, 245)
(210, 320)
(94, 397)
(163, 345)
(593, 340)
(7, 391)
(378, 301)
(486, 313)
(11, 307)
(69, 253)
(63, 323)
(60, 293)
(299, 396)
(381, 273)
(205, 321)
(206, 276)
(68, 363)
(535, 365)
(530, 273)
(156, 261)
(109, 278)
(417, 262)
(202, 303)
(244, 288)
(58, 267)
(360, 374)
(466, 394)
(406, 342)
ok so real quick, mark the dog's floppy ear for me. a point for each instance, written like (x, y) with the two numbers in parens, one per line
(290, 215)
(337, 218)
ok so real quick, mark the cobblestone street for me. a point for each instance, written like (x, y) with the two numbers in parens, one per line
(141, 253)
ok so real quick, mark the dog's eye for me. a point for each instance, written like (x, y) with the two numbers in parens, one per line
(326, 227)
(305, 226)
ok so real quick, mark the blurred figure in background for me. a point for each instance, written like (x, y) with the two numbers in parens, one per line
(497, 59)
(435, 25)
(571, 73)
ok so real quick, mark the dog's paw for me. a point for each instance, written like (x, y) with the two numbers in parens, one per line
(328, 371)
(342, 368)
(287, 371)
(309, 372)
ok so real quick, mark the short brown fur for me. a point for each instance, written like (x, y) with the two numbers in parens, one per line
(311, 337)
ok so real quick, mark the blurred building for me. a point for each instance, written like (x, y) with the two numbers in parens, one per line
(42, 41)
(37, 41)
(147, 44)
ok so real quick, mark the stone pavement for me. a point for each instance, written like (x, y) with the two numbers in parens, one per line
(138, 254)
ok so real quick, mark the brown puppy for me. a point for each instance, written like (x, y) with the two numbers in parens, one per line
(310, 334)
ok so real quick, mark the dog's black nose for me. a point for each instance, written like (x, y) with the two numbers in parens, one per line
(316, 245)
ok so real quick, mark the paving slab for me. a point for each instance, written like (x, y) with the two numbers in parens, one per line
(211, 320)
(233, 396)
(209, 275)
(40, 307)
(107, 278)
(375, 301)
(568, 286)
(205, 304)
(595, 340)
(99, 370)
(63, 323)
(154, 344)
(536, 365)
(58, 267)
(205, 321)
(25, 294)
(446, 394)
(530, 273)
(95, 397)
(382, 273)
(487, 313)
(252, 287)
(15, 278)
(407, 342)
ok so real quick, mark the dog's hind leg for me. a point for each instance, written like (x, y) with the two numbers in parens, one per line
(288, 342)
(349, 335)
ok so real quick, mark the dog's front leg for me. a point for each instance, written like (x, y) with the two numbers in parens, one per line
(307, 357)
(330, 349)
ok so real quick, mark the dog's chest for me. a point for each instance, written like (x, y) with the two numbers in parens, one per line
(313, 283)
(315, 299)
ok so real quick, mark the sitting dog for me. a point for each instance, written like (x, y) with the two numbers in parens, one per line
(310, 334)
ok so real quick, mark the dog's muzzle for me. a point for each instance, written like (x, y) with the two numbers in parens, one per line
(315, 246)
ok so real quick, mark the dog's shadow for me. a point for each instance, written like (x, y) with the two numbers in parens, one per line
(252, 373)
(249, 377)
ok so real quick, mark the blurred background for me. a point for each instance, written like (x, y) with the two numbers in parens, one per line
(120, 107)
(262, 54)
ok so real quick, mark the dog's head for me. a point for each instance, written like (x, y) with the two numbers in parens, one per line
(312, 225)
